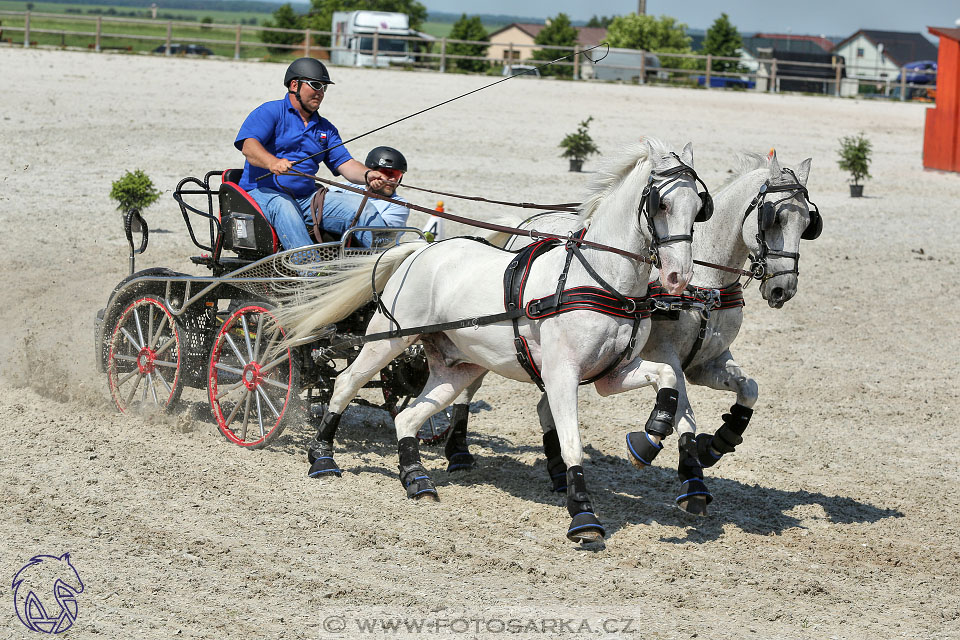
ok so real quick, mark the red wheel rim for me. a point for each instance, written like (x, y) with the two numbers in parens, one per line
(145, 356)
(248, 395)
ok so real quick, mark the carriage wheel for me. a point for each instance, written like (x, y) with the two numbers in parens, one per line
(403, 380)
(145, 358)
(252, 391)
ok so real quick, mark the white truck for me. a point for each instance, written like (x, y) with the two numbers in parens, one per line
(368, 39)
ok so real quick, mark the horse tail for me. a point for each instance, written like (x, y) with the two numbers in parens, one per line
(340, 287)
(501, 238)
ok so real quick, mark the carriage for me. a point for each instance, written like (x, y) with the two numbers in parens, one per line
(164, 330)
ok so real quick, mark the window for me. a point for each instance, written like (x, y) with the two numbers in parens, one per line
(860, 52)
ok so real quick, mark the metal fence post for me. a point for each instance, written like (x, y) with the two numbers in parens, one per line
(96, 44)
(169, 36)
(642, 79)
(709, 68)
(903, 83)
(839, 77)
(510, 54)
(236, 44)
(376, 45)
(26, 30)
(576, 62)
(773, 76)
(443, 55)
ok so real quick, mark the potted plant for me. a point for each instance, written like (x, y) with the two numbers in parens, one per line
(855, 158)
(134, 191)
(578, 146)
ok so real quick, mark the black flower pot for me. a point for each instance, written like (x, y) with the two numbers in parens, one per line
(856, 191)
(576, 165)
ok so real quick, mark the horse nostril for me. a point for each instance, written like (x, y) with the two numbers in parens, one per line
(777, 294)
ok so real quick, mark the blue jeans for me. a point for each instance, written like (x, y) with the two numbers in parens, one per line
(290, 216)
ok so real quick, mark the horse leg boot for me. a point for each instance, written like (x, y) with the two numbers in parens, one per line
(412, 474)
(456, 450)
(556, 467)
(320, 449)
(585, 527)
(711, 448)
(694, 495)
(644, 446)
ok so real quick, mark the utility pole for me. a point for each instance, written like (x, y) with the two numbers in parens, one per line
(641, 7)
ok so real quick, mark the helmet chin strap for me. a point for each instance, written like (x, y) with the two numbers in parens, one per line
(299, 99)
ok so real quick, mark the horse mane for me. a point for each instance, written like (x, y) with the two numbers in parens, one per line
(746, 162)
(615, 169)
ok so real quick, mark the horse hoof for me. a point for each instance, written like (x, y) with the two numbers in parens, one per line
(641, 449)
(585, 528)
(324, 467)
(695, 505)
(461, 461)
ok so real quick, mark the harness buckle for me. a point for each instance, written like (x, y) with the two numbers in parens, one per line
(632, 306)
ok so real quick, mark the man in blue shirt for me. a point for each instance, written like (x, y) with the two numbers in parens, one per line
(279, 133)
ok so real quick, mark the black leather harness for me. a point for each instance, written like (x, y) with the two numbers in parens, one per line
(604, 299)
(706, 299)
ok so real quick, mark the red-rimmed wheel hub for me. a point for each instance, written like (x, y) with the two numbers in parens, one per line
(144, 361)
(253, 388)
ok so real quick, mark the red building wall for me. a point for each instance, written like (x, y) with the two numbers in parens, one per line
(941, 138)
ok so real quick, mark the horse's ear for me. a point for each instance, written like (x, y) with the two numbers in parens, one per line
(686, 156)
(774, 164)
(803, 171)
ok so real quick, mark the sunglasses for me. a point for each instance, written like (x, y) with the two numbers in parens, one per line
(393, 175)
(316, 85)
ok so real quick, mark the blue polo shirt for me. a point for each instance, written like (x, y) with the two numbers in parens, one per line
(279, 128)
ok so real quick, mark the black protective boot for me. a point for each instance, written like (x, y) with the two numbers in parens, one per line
(320, 449)
(456, 450)
(412, 474)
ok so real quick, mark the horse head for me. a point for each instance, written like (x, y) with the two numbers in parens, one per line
(674, 202)
(783, 218)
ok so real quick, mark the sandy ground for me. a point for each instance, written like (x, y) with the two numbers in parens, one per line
(837, 518)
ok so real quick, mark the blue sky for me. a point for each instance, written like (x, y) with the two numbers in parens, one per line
(816, 17)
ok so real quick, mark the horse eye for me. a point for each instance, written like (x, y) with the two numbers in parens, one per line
(663, 206)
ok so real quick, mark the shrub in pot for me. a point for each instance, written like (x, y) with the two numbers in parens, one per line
(855, 157)
(578, 146)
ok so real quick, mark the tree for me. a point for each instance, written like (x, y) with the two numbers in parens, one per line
(559, 33)
(660, 35)
(134, 191)
(602, 23)
(320, 16)
(283, 18)
(469, 29)
(723, 39)
(206, 22)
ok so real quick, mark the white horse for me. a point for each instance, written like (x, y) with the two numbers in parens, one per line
(761, 214)
(462, 279)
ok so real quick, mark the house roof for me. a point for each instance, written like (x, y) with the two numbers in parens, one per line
(823, 43)
(900, 47)
(585, 35)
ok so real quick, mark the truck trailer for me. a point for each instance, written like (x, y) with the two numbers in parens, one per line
(369, 39)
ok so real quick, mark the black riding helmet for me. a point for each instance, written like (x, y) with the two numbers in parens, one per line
(386, 158)
(308, 68)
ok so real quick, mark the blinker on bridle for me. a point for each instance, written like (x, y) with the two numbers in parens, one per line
(768, 215)
(650, 204)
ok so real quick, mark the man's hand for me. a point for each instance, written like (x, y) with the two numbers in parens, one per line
(279, 166)
(376, 180)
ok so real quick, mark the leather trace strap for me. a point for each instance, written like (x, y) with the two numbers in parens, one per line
(530, 233)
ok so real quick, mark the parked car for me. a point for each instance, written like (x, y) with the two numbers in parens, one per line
(921, 72)
(184, 49)
(525, 69)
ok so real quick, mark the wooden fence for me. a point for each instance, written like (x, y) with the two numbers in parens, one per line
(48, 29)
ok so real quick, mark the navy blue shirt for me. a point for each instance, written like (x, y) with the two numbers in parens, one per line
(278, 127)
